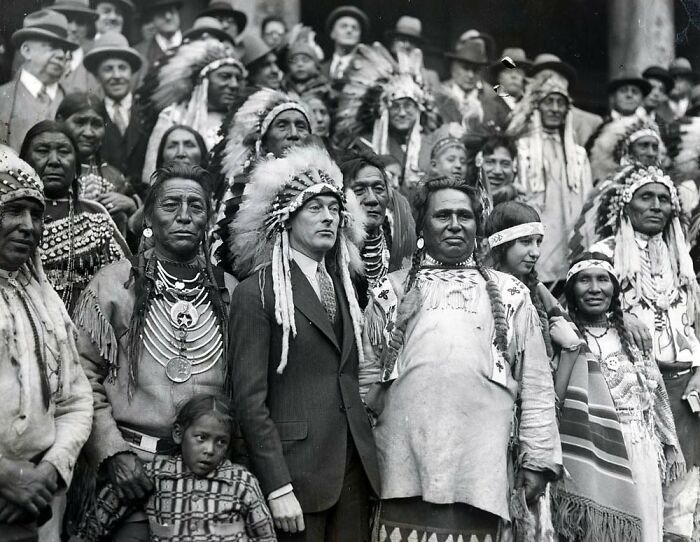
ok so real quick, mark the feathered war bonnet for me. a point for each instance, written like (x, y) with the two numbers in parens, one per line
(613, 219)
(611, 146)
(373, 81)
(527, 121)
(278, 188)
(180, 78)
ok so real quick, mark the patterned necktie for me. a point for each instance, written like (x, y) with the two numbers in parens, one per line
(43, 95)
(327, 292)
(118, 118)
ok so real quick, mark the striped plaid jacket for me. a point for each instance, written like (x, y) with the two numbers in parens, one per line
(226, 505)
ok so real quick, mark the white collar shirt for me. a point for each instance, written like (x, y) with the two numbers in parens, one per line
(34, 86)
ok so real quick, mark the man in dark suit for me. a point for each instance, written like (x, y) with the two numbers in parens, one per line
(165, 15)
(346, 26)
(114, 64)
(294, 353)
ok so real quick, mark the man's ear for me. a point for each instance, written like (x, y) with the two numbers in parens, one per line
(177, 433)
(26, 50)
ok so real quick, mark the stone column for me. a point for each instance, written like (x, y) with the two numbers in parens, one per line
(640, 34)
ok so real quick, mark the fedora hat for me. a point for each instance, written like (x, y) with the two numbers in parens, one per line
(407, 28)
(517, 55)
(75, 9)
(548, 61)
(151, 6)
(224, 8)
(254, 49)
(207, 26)
(348, 11)
(46, 25)
(629, 78)
(680, 67)
(661, 74)
(112, 45)
(125, 6)
(473, 33)
(472, 50)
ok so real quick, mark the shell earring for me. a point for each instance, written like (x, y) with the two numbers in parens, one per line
(420, 243)
(148, 233)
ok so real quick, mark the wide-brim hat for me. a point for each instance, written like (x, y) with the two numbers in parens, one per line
(348, 11)
(126, 6)
(207, 25)
(661, 74)
(222, 8)
(46, 25)
(472, 50)
(517, 55)
(548, 61)
(75, 9)
(407, 28)
(681, 67)
(254, 49)
(112, 45)
(629, 79)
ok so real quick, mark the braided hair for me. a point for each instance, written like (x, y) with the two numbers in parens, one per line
(142, 275)
(615, 316)
(506, 215)
(410, 304)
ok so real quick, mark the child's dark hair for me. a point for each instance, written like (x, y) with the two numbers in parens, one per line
(199, 405)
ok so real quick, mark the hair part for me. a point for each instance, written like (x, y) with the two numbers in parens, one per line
(203, 404)
(160, 161)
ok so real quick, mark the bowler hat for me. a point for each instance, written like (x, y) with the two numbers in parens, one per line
(518, 57)
(125, 6)
(629, 78)
(659, 73)
(112, 45)
(472, 50)
(548, 61)
(348, 11)
(223, 8)
(680, 67)
(207, 26)
(407, 28)
(75, 9)
(45, 25)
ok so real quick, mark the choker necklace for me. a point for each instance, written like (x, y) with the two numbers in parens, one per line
(429, 261)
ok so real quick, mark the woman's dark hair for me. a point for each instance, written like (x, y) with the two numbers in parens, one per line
(75, 103)
(506, 215)
(494, 142)
(615, 310)
(197, 137)
(52, 126)
(422, 195)
(142, 276)
(202, 404)
(270, 19)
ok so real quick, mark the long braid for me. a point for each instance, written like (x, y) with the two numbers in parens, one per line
(219, 307)
(144, 286)
(617, 322)
(532, 283)
(498, 309)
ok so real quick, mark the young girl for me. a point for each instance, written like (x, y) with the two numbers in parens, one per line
(199, 495)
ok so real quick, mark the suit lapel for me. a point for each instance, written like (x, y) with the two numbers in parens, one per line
(306, 300)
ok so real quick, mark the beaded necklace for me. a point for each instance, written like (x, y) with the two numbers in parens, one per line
(375, 255)
(181, 331)
(429, 261)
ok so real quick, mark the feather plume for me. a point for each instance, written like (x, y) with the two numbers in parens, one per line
(686, 164)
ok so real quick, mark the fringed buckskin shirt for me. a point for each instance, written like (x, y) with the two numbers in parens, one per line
(445, 429)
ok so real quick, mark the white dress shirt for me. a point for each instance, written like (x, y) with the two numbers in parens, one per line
(125, 105)
(166, 44)
(339, 64)
(33, 85)
(76, 60)
(309, 267)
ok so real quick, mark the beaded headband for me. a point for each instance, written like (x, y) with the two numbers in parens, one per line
(281, 108)
(643, 132)
(445, 144)
(521, 230)
(20, 185)
(650, 176)
(589, 264)
(228, 61)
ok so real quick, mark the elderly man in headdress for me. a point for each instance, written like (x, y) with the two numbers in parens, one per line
(46, 411)
(35, 94)
(195, 87)
(553, 171)
(297, 347)
(386, 107)
(267, 123)
(640, 230)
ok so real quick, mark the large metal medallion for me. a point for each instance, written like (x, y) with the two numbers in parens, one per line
(184, 314)
(178, 369)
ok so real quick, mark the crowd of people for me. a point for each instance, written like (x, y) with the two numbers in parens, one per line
(251, 293)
